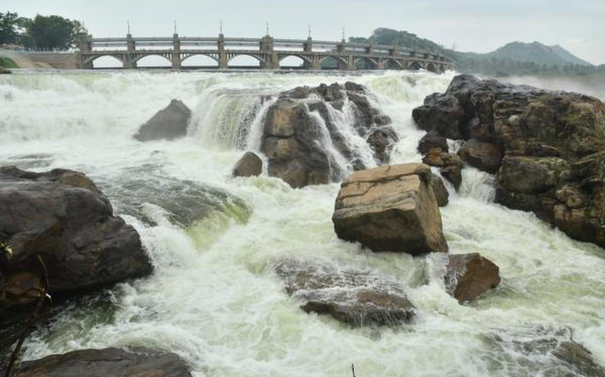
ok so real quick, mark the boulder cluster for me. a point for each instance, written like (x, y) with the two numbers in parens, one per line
(547, 148)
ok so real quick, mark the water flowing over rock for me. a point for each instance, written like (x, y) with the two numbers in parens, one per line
(248, 166)
(304, 143)
(469, 276)
(169, 123)
(441, 193)
(552, 144)
(352, 296)
(106, 362)
(449, 164)
(62, 217)
(390, 208)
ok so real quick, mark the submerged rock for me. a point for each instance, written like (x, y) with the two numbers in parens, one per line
(469, 276)
(62, 217)
(549, 141)
(249, 165)
(106, 362)
(352, 296)
(169, 123)
(303, 137)
(390, 208)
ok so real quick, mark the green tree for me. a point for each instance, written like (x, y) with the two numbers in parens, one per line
(53, 32)
(8, 27)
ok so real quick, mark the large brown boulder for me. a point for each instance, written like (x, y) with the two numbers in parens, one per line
(550, 141)
(249, 165)
(169, 123)
(390, 208)
(105, 362)
(352, 296)
(62, 217)
(303, 139)
(469, 276)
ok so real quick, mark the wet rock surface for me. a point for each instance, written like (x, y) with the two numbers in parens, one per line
(552, 145)
(302, 128)
(470, 275)
(62, 217)
(169, 123)
(249, 165)
(106, 362)
(390, 208)
(349, 295)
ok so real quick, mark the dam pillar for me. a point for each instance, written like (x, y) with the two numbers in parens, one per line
(129, 57)
(176, 51)
(85, 45)
(222, 54)
(266, 49)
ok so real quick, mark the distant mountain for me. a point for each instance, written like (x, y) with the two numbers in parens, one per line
(515, 58)
(538, 53)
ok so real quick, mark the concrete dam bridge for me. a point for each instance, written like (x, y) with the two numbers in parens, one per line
(269, 52)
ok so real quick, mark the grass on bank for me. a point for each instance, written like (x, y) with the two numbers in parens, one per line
(7, 63)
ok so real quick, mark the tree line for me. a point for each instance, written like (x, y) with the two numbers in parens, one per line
(39, 33)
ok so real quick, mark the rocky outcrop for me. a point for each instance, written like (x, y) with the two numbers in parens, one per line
(469, 276)
(390, 208)
(105, 362)
(249, 165)
(432, 140)
(552, 146)
(169, 123)
(449, 164)
(352, 296)
(301, 134)
(62, 217)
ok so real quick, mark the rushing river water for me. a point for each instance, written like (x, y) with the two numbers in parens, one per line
(214, 299)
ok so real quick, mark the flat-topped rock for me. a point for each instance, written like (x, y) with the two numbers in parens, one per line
(349, 295)
(108, 362)
(390, 208)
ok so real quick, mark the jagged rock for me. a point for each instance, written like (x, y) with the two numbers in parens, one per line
(441, 193)
(549, 140)
(169, 123)
(432, 140)
(450, 165)
(483, 156)
(469, 276)
(390, 208)
(352, 296)
(106, 362)
(381, 140)
(248, 166)
(63, 217)
(298, 147)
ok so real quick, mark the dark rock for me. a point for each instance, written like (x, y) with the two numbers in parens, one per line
(432, 140)
(106, 362)
(299, 149)
(248, 166)
(349, 295)
(441, 193)
(390, 208)
(64, 218)
(548, 140)
(4, 71)
(169, 124)
(382, 140)
(450, 165)
(547, 353)
(483, 156)
(469, 276)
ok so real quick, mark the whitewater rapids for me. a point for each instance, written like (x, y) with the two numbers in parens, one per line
(213, 298)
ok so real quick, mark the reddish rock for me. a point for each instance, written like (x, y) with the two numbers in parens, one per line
(470, 275)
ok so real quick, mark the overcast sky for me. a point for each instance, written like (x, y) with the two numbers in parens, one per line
(469, 25)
